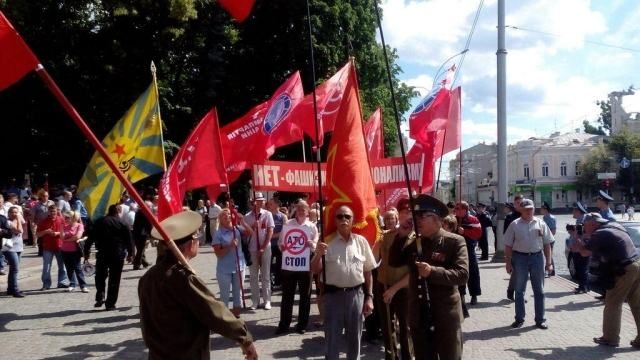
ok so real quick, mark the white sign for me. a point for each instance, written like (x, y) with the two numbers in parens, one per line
(603, 176)
(296, 254)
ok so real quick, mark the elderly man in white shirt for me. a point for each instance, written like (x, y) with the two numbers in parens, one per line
(348, 293)
(261, 222)
(525, 240)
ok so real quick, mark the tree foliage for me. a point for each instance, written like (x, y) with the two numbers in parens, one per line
(99, 52)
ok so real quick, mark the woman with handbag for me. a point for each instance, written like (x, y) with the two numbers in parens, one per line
(71, 252)
(12, 249)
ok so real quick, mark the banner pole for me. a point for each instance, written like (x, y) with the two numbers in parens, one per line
(317, 125)
(86, 131)
(444, 140)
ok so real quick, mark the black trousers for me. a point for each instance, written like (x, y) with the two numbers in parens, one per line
(372, 324)
(112, 269)
(392, 336)
(474, 271)
(484, 243)
(276, 263)
(140, 258)
(581, 264)
(291, 280)
(74, 270)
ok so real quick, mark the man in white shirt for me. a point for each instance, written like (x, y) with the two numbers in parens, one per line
(63, 203)
(261, 221)
(525, 240)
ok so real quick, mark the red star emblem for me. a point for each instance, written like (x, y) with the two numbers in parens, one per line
(119, 150)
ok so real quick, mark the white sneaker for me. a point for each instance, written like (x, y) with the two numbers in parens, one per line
(253, 307)
(70, 288)
(84, 290)
(267, 305)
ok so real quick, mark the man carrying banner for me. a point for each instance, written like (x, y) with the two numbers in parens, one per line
(297, 241)
(177, 310)
(261, 222)
(438, 262)
(348, 290)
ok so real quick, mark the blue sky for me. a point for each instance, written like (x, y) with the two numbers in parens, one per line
(553, 81)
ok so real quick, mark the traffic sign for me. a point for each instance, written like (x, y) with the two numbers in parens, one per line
(635, 160)
(624, 163)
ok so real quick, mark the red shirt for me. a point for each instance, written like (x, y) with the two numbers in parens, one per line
(50, 242)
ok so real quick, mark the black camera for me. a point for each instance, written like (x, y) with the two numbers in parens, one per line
(576, 227)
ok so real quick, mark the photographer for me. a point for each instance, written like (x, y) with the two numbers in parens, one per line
(612, 244)
(581, 263)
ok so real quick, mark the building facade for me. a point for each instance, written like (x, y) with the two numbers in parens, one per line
(625, 111)
(472, 173)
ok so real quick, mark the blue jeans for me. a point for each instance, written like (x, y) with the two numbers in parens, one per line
(2, 260)
(13, 259)
(47, 261)
(229, 282)
(525, 266)
(74, 270)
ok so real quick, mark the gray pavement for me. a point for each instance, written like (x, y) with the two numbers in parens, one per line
(56, 324)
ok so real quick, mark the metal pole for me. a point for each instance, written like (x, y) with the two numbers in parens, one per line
(501, 55)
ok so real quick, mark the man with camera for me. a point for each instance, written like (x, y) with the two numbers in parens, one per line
(611, 243)
(580, 263)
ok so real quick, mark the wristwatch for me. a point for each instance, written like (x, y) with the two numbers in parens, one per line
(368, 295)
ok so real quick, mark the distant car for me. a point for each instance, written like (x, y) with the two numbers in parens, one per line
(632, 227)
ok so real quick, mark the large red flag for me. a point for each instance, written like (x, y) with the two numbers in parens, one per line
(349, 180)
(373, 133)
(453, 137)
(329, 97)
(199, 163)
(239, 9)
(254, 137)
(16, 59)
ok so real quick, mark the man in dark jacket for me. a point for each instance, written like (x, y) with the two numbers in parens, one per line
(113, 243)
(485, 221)
(141, 232)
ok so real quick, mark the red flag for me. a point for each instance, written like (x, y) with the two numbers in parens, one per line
(391, 197)
(328, 101)
(16, 59)
(254, 137)
(453, 137)
(238, 9)
(430, 115)
(349, 180)
(373, 132)
(198, 163)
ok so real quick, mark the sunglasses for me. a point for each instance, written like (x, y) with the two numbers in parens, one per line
(343, 217)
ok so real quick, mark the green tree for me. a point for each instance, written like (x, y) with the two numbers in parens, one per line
(598, 160)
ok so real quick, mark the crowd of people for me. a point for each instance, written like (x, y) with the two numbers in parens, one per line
(410, 289)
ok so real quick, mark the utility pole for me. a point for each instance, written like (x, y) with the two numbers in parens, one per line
(501, 55)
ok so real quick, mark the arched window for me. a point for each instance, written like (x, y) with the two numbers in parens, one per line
(545, 169)
(526, 170)
(578, 164)
(563, 168)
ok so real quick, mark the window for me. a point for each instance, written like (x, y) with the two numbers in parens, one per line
(526, 170)
(578, 168)
(563, 168)
(545, 169)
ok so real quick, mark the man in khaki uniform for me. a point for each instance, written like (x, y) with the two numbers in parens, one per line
(392, 283)
(177, 310)
(348, 290)
(437, 261)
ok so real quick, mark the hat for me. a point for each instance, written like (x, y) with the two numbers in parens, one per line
(595, 217)
(510, 206)
(546, 206)
(580, 207)
(259, 196)
(481, 205)
(403, 204)
(180, 225)
(426, 203)
(604, 196)
(527, 204)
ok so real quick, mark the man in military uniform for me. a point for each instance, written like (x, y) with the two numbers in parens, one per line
(602, 202)
(177, 310)
(438, 263)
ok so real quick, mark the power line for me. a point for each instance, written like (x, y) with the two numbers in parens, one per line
(565, 36)
(466, 46)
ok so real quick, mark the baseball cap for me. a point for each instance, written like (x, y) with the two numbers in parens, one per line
(527, 204)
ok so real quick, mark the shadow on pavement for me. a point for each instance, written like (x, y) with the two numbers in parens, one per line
(484, 305)
(95, 330)
(310, 347)
(571, 352)
(573, 306)
(557, 294)
(129, 349)
(104, 320)
(499, 332)
(9, 317)
(491, 265)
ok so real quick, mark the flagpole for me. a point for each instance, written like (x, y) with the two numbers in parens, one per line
(317, 125)
(444, 140)
(304, 155)
(77, 119)
(460, 182)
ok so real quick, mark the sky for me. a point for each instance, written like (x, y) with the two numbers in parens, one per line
(562, 56)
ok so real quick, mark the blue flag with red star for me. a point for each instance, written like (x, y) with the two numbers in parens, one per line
(135, 144)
